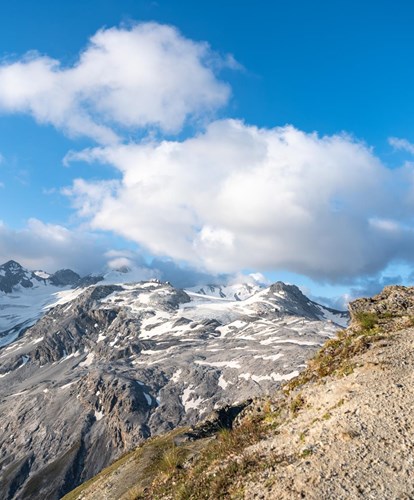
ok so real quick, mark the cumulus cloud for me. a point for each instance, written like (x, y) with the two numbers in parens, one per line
(186, 276)
(237, 197)
(51, 247)
(146, 76)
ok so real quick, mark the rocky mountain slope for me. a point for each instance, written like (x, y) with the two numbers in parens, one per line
(108, 366)
(343, 429)
(26, 295)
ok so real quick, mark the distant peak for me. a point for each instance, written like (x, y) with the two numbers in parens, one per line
(123, 270)
(11, 264)
(64, 277)
(281, 286)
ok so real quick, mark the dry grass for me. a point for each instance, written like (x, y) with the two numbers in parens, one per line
(336, 356)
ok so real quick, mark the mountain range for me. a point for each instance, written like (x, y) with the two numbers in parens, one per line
(91, 367)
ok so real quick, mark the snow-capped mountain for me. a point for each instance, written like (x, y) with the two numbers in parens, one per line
(240, 291)
(13, 276)
(25, 295)
(108, 365)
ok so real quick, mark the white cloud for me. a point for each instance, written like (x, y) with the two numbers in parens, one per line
(146, 76)
(401, 144)
(51, 247)
(238, 197)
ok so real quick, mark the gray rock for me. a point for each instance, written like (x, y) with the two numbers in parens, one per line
(64, 277)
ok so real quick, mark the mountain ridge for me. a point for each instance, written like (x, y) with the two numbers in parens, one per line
(342, 429)
(135, 360)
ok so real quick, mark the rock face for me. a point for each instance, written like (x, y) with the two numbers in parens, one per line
(111, 365)
(64, 277)
(394, 301)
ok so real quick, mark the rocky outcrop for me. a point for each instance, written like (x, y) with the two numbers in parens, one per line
(394, 301)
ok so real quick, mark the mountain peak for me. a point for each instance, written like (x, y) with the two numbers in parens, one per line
(11, 265)
(64, 277)
(12, 274)
(281, 286)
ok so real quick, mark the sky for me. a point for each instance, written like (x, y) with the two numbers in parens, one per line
(205, 141)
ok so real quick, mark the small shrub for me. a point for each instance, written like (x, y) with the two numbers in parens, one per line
(367, 320)
(306, 452)
(171, 460)
(296, 404)
(346, 369)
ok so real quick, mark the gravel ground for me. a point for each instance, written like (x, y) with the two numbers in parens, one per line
(354, 435)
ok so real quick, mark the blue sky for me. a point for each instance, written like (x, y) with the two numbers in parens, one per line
(340, 69)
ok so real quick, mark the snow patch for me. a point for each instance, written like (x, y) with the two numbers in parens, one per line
(68, 385)
(99, 415)
(219, 364)
(188, 401)
(222, 382)
(276, 377)
(176, 376)
(89, 360)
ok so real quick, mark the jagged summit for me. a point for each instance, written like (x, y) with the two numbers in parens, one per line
(13, 275)
(11, 265)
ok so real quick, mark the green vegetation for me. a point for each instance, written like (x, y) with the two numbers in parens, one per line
(367, 320)
(213, 474)
(336, 356)
(296, 404)
(306, 452)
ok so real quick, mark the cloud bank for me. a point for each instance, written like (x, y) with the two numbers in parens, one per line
(146, 76)
(237, 197)
(51, 247)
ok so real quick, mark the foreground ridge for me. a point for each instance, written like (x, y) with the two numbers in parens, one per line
(343, 429)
